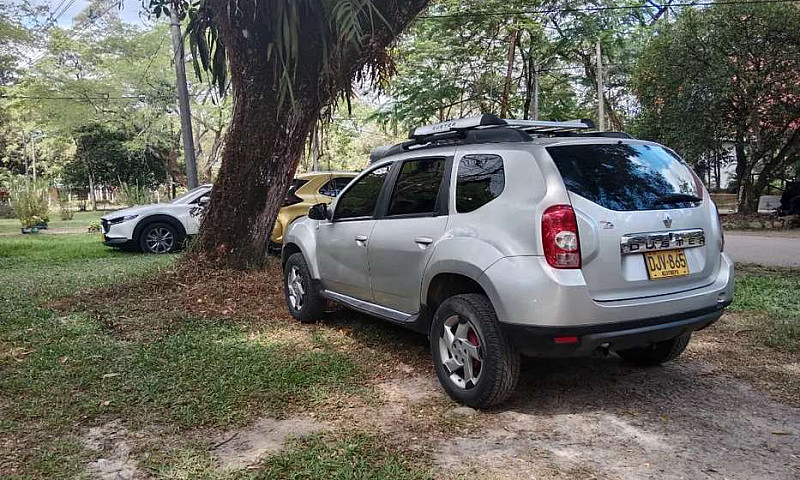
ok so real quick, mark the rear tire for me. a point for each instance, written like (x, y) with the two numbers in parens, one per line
(303, 299)
(794, 206)
(475, 363)
(657, 353)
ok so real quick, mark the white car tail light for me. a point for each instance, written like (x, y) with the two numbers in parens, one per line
(562, 246)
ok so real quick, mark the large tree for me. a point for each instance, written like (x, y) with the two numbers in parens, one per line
(727, 73)
(289, 61)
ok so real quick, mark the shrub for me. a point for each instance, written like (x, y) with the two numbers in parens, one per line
(64, 207)
(6, 211)
(132, 194)
(29, 201)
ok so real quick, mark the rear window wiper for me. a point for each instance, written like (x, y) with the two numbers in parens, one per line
(677, 198)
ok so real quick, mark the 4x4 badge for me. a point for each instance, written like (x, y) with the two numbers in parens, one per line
(667, 221)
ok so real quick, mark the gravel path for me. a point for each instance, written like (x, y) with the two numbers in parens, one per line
(600, 418)
(764, 249)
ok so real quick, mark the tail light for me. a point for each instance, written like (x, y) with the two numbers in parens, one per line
(562, 247)
(719, 226)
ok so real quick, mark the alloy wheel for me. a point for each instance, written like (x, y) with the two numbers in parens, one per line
(461, 351)
(294, 286)
(160, 240)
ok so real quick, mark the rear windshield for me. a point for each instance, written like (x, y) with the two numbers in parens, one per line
(627, 177)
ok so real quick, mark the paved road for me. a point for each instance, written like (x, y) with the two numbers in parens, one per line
(764, 249)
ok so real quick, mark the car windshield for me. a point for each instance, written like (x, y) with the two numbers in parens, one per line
(181, 198)
(627, 177)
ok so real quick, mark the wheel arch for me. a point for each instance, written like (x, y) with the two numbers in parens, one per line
(444, 285)
(150, 219)
(300, 237)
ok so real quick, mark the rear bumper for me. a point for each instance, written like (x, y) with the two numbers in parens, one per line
(540, 341)
(526, 291)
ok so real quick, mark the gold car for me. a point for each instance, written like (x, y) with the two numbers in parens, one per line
(308, 189)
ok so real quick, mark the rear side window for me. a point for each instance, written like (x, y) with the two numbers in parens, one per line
(360, 199)
(626, 177)
(334, 186)
(291, 198)
(417, 187)
(481, 179)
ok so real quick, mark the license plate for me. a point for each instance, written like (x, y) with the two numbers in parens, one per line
(666, 264)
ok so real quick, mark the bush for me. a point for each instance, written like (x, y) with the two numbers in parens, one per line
(132, 194)
(64, 208)
(29, 201)
(6, 211)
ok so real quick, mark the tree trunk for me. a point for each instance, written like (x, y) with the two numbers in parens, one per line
(263, 147)
(91, 192)
(265, 140)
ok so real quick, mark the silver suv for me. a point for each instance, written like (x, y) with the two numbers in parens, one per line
(500, 238)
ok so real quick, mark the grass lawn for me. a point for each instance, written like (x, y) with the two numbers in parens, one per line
(64, 371)
(91, 337)
(79, 220)
(768, 299)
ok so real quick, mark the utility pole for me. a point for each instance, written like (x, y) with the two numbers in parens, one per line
(25, 154)
(601, 114)
(512, 43)
(183, 95)
(33, 156)
(535, 91)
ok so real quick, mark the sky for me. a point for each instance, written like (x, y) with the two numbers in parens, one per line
(129, 12)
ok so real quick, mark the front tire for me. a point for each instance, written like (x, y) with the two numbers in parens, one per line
(301, 294)
(657, 353)
(475, 363)
(159, 237)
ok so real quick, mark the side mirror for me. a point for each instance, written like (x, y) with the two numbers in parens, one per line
(319, 212)
(204, 200)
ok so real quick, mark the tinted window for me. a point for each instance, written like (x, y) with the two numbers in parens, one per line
(291, 198)
(481, 179)
(417, 187)
(361, 198)
(626, 177)
(334, 186)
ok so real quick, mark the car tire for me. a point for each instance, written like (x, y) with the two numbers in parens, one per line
(657, 353)
(159, 237)
(303, 299)
(475, 337)
(794, 206)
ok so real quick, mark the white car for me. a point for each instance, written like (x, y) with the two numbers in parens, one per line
(156, 228)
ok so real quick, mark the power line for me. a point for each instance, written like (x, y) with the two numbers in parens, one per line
(100, 97)
(150, 63)
(73, 35)
(495, 13)
(58, 12)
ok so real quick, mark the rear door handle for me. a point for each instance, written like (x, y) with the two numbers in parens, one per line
(361, 239)
(424, 240)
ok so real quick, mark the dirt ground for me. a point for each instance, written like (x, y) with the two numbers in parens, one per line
(721, 411)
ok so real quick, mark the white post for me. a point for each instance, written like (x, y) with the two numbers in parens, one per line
(535, 91)
(601, 115)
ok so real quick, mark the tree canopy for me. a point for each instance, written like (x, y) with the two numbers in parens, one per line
(728, 73)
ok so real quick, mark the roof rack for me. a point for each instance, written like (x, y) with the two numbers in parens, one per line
(479, 129)
(488, 120)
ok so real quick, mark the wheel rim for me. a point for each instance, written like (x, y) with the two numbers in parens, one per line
(160, 240)
(294, 288)
(461, 352)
